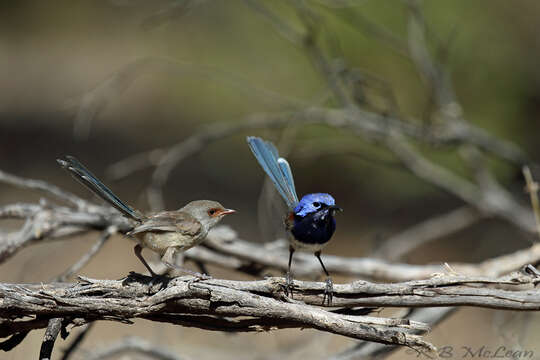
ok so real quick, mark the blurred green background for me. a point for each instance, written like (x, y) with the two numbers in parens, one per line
(186, 65)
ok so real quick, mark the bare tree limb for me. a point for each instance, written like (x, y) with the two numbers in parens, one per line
(228, 305)
(51, 222)
(213, 305)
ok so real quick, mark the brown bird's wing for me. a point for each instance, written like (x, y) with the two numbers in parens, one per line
(169, 221)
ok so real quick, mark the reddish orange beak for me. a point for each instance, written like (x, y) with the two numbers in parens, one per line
(227, 211)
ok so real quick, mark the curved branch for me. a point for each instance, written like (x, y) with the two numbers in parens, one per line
(213, 305)
(247, 306)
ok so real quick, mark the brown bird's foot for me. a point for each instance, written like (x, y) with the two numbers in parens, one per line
(289, 284)
(161, 280)
(140, 276)
(328, 291)
(198, 276)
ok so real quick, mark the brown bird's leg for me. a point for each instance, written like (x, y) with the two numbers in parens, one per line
(168, 259)
(138, 249)
(289, 279)
(329, 289)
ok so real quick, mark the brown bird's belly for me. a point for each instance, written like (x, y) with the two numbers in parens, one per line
(160, 242)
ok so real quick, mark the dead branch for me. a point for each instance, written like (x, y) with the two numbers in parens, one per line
(211, 304)
(247, 306)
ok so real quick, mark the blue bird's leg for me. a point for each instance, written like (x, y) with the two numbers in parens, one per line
(329, 289)
(289, 285)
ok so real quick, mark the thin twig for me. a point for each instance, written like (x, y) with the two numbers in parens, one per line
(53, 329)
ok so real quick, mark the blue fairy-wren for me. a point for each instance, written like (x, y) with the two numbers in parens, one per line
(309, 222)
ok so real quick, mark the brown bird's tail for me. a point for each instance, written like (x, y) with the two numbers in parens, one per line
(85, 177)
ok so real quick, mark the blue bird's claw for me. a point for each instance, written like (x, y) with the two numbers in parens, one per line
(328, 291)
(289, 285)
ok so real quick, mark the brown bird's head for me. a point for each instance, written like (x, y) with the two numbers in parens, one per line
(207, 212)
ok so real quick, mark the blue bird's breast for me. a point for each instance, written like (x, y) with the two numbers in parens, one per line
(312, 222)
(314, 229)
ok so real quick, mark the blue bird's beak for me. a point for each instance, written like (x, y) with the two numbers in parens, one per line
(334, 209)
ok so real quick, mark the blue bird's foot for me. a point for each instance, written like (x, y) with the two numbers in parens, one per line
(289, 285)
(328, 291)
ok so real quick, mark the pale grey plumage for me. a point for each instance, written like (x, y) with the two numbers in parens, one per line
(165, 232)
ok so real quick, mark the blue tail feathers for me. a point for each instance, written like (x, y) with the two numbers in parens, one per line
(277, 168)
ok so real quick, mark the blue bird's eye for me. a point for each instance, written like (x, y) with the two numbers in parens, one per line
(317, 204)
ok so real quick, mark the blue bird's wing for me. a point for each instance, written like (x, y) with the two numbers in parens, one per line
(277, 169)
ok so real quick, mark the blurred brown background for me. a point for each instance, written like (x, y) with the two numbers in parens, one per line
(187, 64)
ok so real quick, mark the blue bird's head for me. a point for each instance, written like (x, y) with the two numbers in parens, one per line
(312, 203)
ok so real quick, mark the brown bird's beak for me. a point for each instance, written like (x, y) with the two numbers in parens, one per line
(227, 211)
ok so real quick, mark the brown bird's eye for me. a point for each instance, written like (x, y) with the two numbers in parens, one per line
(211, 212)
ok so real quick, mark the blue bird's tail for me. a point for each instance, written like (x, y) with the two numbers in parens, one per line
(276, 168)
(85, 177)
